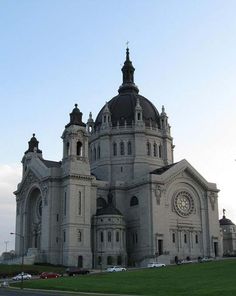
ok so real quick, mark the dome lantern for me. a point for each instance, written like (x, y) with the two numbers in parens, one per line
(128, 69)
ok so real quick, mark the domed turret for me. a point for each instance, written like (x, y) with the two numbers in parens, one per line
(122, 106)
(225, 221)
(76, 117)
(33, 145)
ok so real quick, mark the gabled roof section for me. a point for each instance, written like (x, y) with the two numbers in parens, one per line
(162, 170)
(174, 169)
(51, 164)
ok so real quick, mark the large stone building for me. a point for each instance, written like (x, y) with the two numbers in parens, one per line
(117, 196)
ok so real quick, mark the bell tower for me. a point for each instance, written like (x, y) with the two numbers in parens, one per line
(75, 145)
(76, 197)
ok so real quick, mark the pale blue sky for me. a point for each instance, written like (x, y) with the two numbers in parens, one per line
(57, 53)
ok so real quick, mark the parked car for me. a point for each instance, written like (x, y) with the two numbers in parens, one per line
(115, 269)
(25, 276)
(72, 271)
(4, 284)
(49, 275)
(155, 264)
(205, 259)
(185, 262)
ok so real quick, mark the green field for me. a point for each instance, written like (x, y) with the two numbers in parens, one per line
(212, 278)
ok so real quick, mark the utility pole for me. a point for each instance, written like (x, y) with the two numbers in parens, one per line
(22, 258)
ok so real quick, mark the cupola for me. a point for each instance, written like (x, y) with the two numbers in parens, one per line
(33, 145)
(76, 117)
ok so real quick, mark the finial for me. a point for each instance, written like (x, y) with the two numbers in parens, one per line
(127, 44)
(76, 105)
(90, 115)
(127, 54)
(33, 134)
(163, 110)
(224, 212)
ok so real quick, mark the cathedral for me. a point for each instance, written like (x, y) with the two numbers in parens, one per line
(117, 197)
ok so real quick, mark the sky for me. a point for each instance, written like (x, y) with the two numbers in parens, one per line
(56, 53)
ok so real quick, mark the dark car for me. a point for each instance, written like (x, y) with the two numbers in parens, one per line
(72, 271)
(49, 275)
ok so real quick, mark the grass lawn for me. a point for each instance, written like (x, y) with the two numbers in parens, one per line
(205, 279)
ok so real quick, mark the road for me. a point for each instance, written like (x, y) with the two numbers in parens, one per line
(26, 292)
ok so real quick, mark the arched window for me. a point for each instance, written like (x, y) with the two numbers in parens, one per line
(101, 236)
(114, 149)
(109, 236)
(173, 237)
(185, 238)
(196, 239)
(79, 148)
(155, 149)
(109, 260)
(139, 116)
(122, 148)
(80, 261)
(134, 201)
(148, 149)
(117, 236)
(160, 151)
(99, 260)
(129, 148)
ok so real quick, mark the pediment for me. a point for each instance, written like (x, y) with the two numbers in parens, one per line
(184, 170)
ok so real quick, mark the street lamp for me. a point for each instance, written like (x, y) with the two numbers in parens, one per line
(22, 261)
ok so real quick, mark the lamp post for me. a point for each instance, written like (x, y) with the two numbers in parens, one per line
(6, 243)
(22, 260)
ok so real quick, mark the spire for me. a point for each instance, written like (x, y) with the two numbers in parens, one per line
(76, 117)
(90, 123)
(163, 112)
(128, 75)
(33, 145)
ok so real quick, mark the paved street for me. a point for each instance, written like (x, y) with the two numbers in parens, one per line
(25, 292)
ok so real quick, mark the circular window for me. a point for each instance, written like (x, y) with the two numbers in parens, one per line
(183, 203)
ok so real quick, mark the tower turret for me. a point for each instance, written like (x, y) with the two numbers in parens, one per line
(75, 145)
(90, 124)
(164, 120)
(106, 117)
(138, 113)
(32, 151)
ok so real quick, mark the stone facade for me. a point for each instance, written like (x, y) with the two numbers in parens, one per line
(117, 196)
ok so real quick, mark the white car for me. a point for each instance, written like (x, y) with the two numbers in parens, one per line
(154, 264)
(115, 269)
(26, 276)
